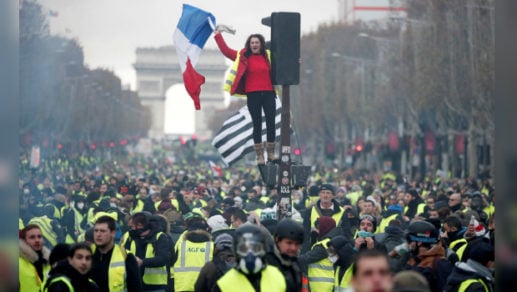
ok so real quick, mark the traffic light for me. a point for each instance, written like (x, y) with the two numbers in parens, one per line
(285, 47)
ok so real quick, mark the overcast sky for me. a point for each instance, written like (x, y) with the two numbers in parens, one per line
(111, 30)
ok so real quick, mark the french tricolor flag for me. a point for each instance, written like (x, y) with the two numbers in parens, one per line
(193, 30)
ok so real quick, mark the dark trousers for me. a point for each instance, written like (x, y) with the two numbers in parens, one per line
(257, 101)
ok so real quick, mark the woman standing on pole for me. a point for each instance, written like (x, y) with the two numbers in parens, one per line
(250, 75)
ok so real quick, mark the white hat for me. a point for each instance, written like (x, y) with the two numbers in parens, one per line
(217, 222)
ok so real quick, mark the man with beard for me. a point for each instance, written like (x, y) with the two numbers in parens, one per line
(284, 254)
(72, 274)
(112, 268)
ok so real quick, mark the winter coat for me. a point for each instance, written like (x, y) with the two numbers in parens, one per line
(433, 265)
(290, 268)
(394, 236)
(470, 270)
(29, 278)
(212, 271)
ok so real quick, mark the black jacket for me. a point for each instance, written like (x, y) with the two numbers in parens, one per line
(470, 270)
(100, 270)
(290, 268)
(161, 254)
(318, 252)
(79, 282)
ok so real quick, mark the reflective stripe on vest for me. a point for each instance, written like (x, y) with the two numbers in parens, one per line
(152, 275)
(46, 228)
(315, 215)
(465, 284)
(345, 281)
(63, 279)
(458, 246)
(117, 269)
(321, 273)
(192, 257)
(271, 280)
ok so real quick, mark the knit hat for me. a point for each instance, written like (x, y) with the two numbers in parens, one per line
(325, 224)
(217, 222)
(327, 187)
(369, 218)
(313, 191)
(223, 240)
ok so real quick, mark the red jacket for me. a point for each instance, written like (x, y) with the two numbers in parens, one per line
(238, 84)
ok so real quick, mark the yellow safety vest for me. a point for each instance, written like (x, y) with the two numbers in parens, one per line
(152, 275)
(345, 281)
(192, 256)
(354, 197)
(315, 214)
(465, 284)
(460, 250)
(321, 274)
(65, 280)
(117, 269)
(271, 280)
(138, 208)
(45, 225)
(28, 276)
(385, 222)
(419, 209)
(174, 202)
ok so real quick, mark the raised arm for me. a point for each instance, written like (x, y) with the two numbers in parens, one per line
(223, 47)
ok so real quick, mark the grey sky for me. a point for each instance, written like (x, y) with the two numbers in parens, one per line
(111, 30)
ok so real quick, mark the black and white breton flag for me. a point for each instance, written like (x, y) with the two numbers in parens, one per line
(235, 139)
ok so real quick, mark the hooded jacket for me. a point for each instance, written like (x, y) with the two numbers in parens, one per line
(470, 270)
(289, 266)
(394, 237)
(30, 278)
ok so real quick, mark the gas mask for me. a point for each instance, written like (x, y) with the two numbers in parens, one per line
(250, 252)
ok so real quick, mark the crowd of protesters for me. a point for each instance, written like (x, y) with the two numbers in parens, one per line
(144, 224)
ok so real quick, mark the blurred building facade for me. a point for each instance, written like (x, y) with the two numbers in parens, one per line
(350, 11)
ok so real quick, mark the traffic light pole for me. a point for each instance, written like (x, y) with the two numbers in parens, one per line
(285, 207)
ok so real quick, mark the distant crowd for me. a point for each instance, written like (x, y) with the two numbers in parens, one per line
(144, 224)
